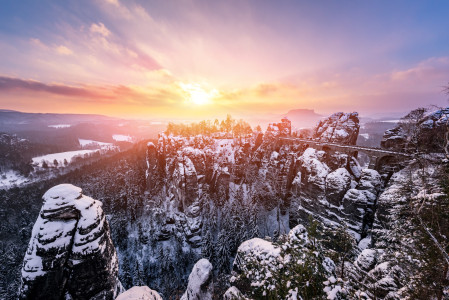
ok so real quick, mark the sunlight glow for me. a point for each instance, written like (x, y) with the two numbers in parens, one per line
(197, 94)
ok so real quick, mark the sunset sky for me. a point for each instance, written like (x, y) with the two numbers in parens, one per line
(201, 59)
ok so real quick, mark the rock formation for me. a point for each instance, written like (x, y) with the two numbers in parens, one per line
(342, 128)
(70, 253)
(275, 175)
(200, 282)
(426, 134)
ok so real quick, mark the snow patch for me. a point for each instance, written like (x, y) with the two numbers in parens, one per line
(59, 126)
(122, 138)
(139, 293)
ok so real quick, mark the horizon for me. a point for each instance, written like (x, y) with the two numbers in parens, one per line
(193, 60)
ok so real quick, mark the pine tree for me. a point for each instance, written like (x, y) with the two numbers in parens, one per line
(126, 278)
(223, 252)
(207, 249)
(138, 277)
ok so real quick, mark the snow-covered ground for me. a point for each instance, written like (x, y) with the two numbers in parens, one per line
(49, 158)
(11, 178)
(58, 126)
(85, 143)
(122, 138)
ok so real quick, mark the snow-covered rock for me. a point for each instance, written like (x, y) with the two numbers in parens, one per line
(233, 293)
(337, 183)
(427, 136)
(139, 293)
(70, 252)
(200, 282)
(367, 259)
(342, 128)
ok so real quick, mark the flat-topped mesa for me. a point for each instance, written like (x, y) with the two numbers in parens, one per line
(339, 128)
(70, 253)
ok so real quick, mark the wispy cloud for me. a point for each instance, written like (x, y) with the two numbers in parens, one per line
(100, 28)
(63, 50)
(17, 84)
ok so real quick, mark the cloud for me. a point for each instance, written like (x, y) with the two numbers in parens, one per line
(433, 67)
(63, 50)
(154, 96)
(100, 28)
(113, 2)
(38, 43)
(17, 84)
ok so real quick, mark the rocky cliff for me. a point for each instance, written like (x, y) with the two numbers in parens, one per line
(70, 253)
(341, 128)
(418, 133)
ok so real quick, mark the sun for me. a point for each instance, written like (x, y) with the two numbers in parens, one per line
(197, 94)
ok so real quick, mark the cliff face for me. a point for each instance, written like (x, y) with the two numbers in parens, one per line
(286, 182)
(70, 253)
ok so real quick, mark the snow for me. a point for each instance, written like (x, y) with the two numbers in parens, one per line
(339, 179)
(364, 135)
(11, 178)
(341, 133)
(139, 293)
(198, 280)
(69, 155)
(122, 138)
(258, 247)
(332, 293)
(58, 229)
(299, 235)
(316, 169)
(59, 126)
(85, 143)
(364, 243)
(233, 293)
(61, 192)
(366, 259)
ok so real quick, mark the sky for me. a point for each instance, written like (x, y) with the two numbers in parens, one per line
(196, 59)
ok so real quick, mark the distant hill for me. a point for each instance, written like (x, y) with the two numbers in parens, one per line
(64, 130)
(303, 117)
(13, 118)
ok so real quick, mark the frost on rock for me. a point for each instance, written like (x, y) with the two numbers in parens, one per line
(139, 293)
(70, 251)
(200, 282)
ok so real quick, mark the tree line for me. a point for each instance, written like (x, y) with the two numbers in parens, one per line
(207, 127)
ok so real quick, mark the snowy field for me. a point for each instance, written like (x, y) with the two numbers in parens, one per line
(58, 126)
(122, 138)
(85, 143)
(49, 158)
